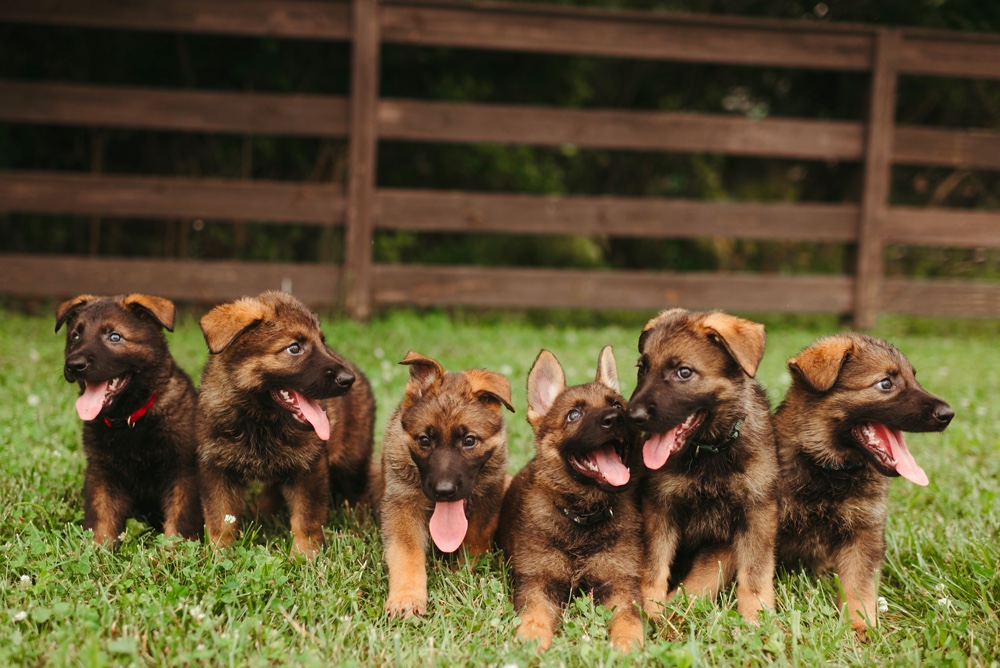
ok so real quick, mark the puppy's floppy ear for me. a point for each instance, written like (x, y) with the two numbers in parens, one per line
(490, 386)
(226, 322)
(607, 370)
(162, 310)
(546, 381)
(820, 364)
(660, 319)
(425, 373)
(743, 339)
(70, 307)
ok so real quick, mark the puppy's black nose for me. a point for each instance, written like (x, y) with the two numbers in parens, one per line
(445, 489)
(77, 364)
(344, 378)
(943, 413)
(611, 419)
(639, 414)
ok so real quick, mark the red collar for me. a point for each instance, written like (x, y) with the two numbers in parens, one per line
(133, 418)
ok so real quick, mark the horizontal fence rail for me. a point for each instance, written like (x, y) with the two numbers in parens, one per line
(363, 119)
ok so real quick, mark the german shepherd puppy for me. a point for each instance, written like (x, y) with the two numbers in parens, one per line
(138, 409)
(709, 503)
(442, 473)
(840, 438)
(569, 520)
(279, 406)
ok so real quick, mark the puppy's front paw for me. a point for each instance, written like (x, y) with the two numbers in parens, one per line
(626, 634)
(532, 628)
(860, 629)
(406, 604)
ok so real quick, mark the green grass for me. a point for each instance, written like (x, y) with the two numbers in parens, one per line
(151, 602)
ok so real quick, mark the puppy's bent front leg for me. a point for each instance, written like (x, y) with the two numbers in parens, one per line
(221, 498)
(754, 555)
(404, 534)
(856, 564)
(308, 499)
(661, 537)
(539, 612)
(105, 509)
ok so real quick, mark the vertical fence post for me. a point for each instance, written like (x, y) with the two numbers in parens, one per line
(363, 129)
(877, 178)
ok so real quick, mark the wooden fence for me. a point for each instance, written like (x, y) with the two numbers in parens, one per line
(365, 119)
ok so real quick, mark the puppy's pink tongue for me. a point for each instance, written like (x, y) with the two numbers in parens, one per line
(611, 466)
(906, 465)
(449, 524)
(657, 449)
(314, 414)
(90, 403)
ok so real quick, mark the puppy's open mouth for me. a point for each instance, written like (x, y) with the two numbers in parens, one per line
(305, 410)
(659, 447)
(888, 447)
(605, 464)
(98, 396)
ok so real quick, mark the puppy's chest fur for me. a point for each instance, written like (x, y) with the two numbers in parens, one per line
(262, 449)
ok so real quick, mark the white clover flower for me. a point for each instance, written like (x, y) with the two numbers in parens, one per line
(940, 587)
(196, 613)
(379, 353)
(883, 605)
(25, 581)
(33, 355)
(229, 519)
(511, 665)
(585, 637)
(506, 369)
(944, 602)
(34, 400)
(981, 411)
(20, 616)
(122, 535)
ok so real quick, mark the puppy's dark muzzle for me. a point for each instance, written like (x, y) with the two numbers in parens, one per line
(341, 377)
(75, 366)
(943, 415)
(641, 414)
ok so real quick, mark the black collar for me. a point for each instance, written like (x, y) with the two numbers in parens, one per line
(718, 446)
(599, 516)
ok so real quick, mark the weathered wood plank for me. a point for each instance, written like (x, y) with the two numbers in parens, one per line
(160, 197)
(950, 54)
(415, 120)
(968, 149)
(274, 18)
(449, 211)
(950, 228)
(949, 298)
(877, 180)
(188, 280)
(627, 35)
(546, 288)
(181, 110)
(362, 155)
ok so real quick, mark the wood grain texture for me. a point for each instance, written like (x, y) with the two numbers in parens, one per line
(362, 156)
(161, 197)
(968, 149)
(948, 298)
(950, 54)
(624, 34)
(877, 180)
(207, 282)
(416, 120)
(451, 211)
(180, 110)
(545, 288)
(950, 228)
(274, 18)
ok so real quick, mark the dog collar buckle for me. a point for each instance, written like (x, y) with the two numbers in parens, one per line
(588, 519)
(133, 417)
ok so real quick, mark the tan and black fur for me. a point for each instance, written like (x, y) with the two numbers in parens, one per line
(710, 507)
(139, 462)
(567, 524)
(446, 443)
(834, 490)
(268, 361)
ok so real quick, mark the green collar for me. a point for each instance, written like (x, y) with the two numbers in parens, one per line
(715, 448)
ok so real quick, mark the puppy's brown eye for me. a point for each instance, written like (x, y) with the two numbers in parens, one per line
(617, 404)
(885, 384)
(470, 441)
(641, 366)
(424, 441)
(684, 373)
(294, 349)
(115, 337)
(574, 415)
